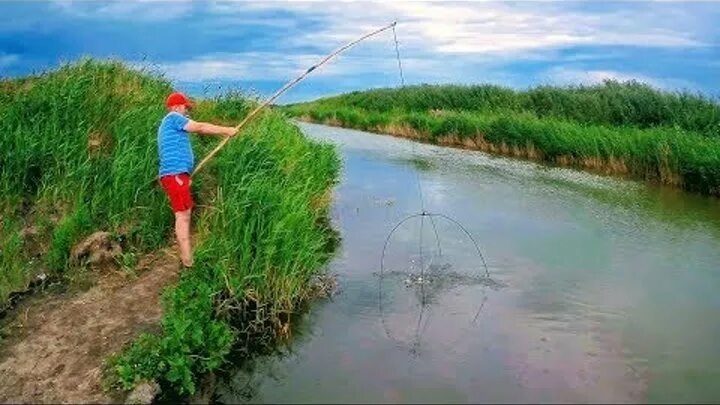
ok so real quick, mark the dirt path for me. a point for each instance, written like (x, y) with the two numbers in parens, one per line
(65, 340)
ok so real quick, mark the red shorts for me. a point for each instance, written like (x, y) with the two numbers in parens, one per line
(177, 187)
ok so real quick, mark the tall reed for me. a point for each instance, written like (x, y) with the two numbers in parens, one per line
(80, 154)
(628, 129)
(78, 143)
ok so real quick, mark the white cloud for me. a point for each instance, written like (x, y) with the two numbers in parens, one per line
(8, 59)
(277, 66)
(565, 76)
(483, 27)
(237, 66)
(439, 42)
(136, 10)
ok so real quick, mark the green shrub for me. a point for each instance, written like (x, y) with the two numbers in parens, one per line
(66, 234)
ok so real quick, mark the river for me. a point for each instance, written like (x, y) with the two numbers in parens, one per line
(600, 289)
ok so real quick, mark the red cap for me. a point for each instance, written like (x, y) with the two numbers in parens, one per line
(178, 98)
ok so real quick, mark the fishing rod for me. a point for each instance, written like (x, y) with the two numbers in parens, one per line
(287, 87)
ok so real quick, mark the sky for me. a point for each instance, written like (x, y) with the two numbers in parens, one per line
(255, 47)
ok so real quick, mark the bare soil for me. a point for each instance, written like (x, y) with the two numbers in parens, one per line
(57, 347)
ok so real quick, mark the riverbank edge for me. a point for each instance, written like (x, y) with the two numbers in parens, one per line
(247, 318)
(613, 166)
(267, 167)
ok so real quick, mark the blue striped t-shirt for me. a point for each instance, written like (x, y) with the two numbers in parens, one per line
(176, 155)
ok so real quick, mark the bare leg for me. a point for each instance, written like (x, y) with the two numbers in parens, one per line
(182, 232)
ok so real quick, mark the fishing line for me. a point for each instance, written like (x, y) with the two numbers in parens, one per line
(397, 53)
(287, 87)
(274, 97)
(422, 279)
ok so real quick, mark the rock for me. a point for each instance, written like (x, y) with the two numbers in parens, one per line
(28, 232)
(144, 393)
(322, 286)
(98, 248)
(207, 388)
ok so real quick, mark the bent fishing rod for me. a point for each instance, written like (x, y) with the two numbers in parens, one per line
(287, 87)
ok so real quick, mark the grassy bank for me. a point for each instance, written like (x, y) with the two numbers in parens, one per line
(83, 149)
(75, 144)
(261, 239)
(627, 129)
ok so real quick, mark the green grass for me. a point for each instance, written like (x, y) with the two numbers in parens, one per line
(629, 129)
(610, 104)
(77, 143)
(261, 227)
(262, 239)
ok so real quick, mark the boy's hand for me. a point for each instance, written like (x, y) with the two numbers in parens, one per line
(231, 131)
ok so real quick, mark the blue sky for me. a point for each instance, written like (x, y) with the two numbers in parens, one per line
(256, 47)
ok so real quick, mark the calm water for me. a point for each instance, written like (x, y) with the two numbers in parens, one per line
(600, 289)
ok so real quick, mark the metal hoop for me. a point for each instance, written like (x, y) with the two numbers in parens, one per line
(423, 303)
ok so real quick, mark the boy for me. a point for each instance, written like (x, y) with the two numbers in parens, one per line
(176, 164)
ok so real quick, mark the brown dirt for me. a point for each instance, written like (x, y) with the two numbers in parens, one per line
(57, 347)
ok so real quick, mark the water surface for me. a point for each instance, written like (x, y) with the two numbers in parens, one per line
(600, 289)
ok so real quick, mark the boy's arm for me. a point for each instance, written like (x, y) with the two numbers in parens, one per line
(205, 128)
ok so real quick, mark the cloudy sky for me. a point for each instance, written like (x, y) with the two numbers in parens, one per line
(258, 46)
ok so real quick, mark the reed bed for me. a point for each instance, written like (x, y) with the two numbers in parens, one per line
(616, 128)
